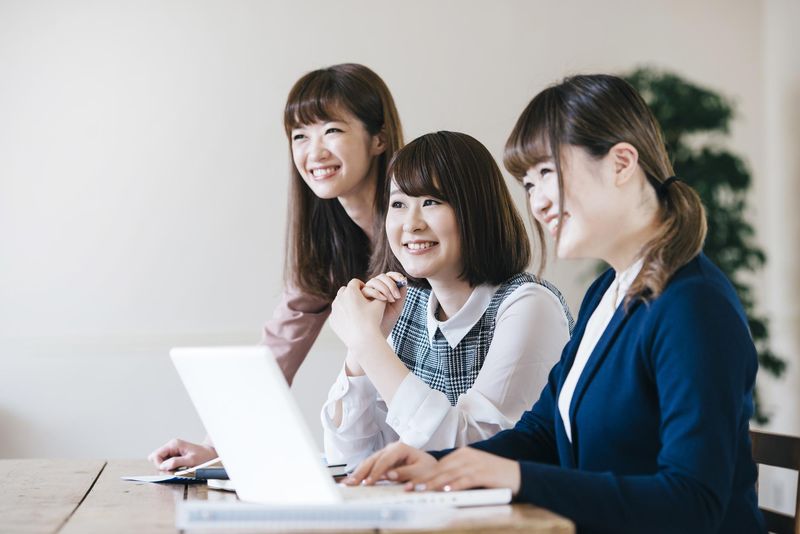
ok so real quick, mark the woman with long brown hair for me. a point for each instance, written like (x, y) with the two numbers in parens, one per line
(343, 128)
(643, 425)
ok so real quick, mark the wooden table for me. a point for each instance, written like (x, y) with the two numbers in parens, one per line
(88, 497)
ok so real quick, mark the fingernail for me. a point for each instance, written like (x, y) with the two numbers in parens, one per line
(163, 466)
(420, 487)
(446, 487)
(392, 475)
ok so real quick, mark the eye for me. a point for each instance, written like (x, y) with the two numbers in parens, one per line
(431, 202)
(298, 136)
(396, 204)
(528, 187)
(545, 171)
(333, 129)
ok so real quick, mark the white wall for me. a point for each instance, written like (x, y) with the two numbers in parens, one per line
(143, 171)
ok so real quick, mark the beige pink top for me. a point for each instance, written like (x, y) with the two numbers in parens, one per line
(293, 328)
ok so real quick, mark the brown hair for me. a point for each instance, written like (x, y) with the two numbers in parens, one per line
(458, 169)
(595, 112)
(325, 248)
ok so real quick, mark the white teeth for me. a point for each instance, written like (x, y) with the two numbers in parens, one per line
(420, 246)
(324, 171)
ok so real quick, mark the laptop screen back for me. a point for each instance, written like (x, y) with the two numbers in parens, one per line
(249, 413)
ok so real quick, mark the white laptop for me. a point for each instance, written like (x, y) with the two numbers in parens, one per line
(269, 454)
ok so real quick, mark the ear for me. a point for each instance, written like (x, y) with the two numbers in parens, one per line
(378, 143)
(625, 160)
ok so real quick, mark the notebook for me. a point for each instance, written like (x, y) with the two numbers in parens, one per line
(269, 454)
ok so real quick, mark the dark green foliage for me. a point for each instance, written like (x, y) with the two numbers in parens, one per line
(687, 113)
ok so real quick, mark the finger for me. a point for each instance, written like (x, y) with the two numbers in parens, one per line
(441, 478)
(174, 463)
(397, 277)
(169, 449)
(390, 283)
(407, 473)
(397, 456)
(384, 286)
(360, 472)
(355, 283)
(373, 294)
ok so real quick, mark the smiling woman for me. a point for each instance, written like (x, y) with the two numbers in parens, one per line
(343, 129)
(461, 356)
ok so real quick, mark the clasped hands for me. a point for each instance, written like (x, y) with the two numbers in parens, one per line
(464, 468)
(362, 311)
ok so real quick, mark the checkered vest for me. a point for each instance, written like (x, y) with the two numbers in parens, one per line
(452, 370)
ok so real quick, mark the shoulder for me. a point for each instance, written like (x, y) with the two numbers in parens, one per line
(697, 317)
(527, 293)
(698, 289)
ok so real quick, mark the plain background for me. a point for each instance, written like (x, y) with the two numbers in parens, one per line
(143, 174)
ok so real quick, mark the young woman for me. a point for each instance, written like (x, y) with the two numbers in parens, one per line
(474, 331)
(343, 128)
(643, 425)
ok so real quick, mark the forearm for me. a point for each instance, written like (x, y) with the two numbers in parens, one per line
(353, 420)
(606, 502)
(379, 363)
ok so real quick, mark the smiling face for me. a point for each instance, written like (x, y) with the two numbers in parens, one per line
(424, 236)
(591, 220)
(336, 157)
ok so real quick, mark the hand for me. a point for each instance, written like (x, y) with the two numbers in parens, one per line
(353, 316)
(177, 453)
(467, 468)
(384, 288)
(398, 462)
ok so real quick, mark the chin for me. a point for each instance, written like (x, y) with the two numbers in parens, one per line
(416, 273)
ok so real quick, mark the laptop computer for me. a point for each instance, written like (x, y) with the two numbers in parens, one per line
(268, 451)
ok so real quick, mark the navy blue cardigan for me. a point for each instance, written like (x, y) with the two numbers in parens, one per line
(659, 417)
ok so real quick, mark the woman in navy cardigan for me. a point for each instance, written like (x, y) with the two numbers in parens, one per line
(643, 425)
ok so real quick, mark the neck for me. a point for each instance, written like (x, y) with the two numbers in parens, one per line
(452, 295)
(359, 204)
(629, 246)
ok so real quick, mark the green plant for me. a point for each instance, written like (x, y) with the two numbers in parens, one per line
(693, 120)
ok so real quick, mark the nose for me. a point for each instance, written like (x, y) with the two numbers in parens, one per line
(413, 220)
(318, 151)
(540, 203)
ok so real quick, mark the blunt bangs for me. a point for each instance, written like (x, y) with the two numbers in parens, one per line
(316, 100)
(537, 136)
(414, 170)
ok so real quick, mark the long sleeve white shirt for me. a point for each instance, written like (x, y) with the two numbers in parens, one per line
(531, 329)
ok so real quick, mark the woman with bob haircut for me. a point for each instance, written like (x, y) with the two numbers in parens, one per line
(462, 352)
(343, 128)
(643, 424)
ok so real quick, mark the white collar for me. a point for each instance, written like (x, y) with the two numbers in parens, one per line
(456, 327)
(625, 278)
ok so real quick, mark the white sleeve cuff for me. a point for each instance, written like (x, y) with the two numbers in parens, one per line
(358, 396)
(416, 411)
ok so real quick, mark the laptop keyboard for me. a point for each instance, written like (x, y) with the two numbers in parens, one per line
(395, 494)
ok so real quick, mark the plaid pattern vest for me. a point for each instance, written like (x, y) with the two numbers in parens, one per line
(452, 370)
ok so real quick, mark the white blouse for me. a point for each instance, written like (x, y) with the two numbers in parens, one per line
(531, 329)
(595, 327)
